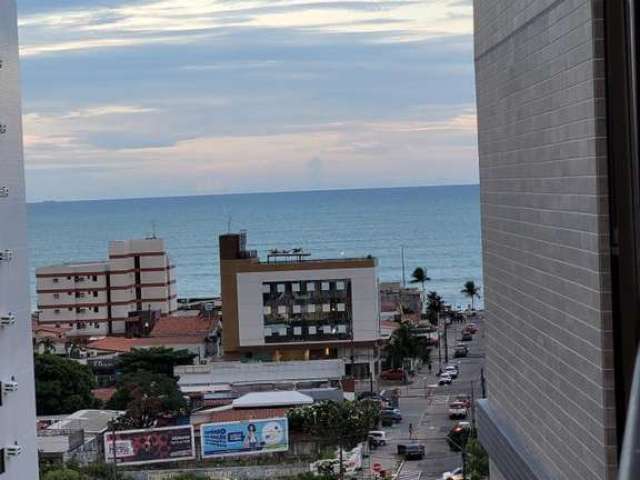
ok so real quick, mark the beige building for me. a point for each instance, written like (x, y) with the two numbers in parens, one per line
(98, 298)
(290, 307)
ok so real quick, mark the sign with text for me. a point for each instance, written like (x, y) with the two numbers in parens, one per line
(244, 438)
(154, 445)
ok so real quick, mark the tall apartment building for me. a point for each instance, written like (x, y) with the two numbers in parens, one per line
(98, 298)
(557, 96)
(293, 308)
(18, 445)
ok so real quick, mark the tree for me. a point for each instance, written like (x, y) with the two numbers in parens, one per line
(477, 460)
(62, 385)
(471, 291)
(402, 344)
(146, 397)
(342, 424)
(157, 360)
(47, 345)
(435, 306)
(419, 275)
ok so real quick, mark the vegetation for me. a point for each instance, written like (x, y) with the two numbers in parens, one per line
(146, 397)
(62, 385)
(420, 276)
(337, 423)
(159, 360)
(435, 305)
(471, 291)
(402, 344)
(477, 467)
(73, 471)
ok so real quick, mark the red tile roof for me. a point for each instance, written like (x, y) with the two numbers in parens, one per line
(170, 326)
(103, 394)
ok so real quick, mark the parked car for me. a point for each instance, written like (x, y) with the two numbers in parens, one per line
(380, 436)
(458, 436)
(472, 327)
(460, 352)
(453, 475)
(457, 410)
(411, 450)
(464, 398)
(452, 370)
(466, 337)
(391, 413)
(393, 374)
(445, 379)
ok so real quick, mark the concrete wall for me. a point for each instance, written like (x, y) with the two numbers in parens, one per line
(235, 473)
(17, 412)
(542, 144)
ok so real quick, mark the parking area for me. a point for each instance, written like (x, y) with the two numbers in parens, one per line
(425, 406)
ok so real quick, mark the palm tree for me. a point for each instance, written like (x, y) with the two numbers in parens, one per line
(434, 306)
(402, 344)
(48, 346)
(471, 290)
(419, 275)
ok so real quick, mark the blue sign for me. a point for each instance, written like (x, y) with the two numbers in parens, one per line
(244, 438)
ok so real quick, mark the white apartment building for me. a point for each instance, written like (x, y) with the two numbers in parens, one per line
(18, 444)
(97, 298)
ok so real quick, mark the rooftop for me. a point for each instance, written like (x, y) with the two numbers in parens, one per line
(91, 421)
(272, 399)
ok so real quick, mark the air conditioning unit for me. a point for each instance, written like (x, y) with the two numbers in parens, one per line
(7, 319)
(6, 255)
(13, 450)
(4, 191)
(10, 387)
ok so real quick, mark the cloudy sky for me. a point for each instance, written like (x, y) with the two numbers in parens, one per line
(134, 98)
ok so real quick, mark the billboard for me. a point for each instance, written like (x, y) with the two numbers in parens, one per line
(154, 445)
(244, 438)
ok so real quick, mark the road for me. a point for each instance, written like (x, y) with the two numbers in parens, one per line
(425, 405)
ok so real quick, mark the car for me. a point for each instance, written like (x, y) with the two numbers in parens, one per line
(392, 414)
(466, 337)
(464, 398)
(380, 436)
(472, 328)
(460, 352)
(393, 374)
(457, 410)
(452, 370)
(453, 475)
(445, 379)
(458, 436)
(414, 451)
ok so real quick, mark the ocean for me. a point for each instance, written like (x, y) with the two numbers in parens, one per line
(439, 228)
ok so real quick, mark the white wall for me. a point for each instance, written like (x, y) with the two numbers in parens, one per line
(17, 413)
(364, 298)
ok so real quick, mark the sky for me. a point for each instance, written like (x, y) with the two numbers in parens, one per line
(148, 98)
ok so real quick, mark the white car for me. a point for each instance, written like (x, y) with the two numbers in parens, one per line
(451, 370)
(453, 475)
(380, 436)
(457, 410)
(445, 379)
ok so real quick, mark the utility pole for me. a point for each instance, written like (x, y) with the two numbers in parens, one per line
(404, 282)
(482, 383)
(446, 345)
(439, 343)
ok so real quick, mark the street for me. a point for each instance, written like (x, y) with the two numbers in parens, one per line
(425, 405)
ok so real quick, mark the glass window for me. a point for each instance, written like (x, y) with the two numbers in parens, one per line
(297, 309)
(267, 310)
(266, 288)
(267, 332)
(282, 309)
(342, 329)
(340, 285)
(283, 331)
(297, 331)
(281, 288)
(312, 330)
(326, 307)
(295, 287)
(311, 308)
(325, 286)
(341, 307)
(311, 287)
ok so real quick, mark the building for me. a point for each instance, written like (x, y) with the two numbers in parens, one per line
(100, 298)
(398, 303)
(557, 103)
(290, 307)
(18, 446)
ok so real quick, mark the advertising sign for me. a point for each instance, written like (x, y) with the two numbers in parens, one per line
(154, 445)
(244, 438)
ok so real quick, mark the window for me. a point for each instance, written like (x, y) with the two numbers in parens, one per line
(97, 309)
(54, 280)
(2, 468)
(325, 286)
(70, 323)
(311, 287)
(340, 285)
(342, 329)
(267, 332)
(283, 331)
(281, 288)
(267, 310)
(81, 326)
(341, 307)
(312, 330)
(311, 308)
(56, 295)
(282, 310)
(96, 325)
(95, 293)
(70, 309)
(297, 331)
(94, 278)
(266, 288)
(69, 278)
(69, 293)
(326, 307)
(295, 287)
(57, 325)
(297, 309)
(56, 311)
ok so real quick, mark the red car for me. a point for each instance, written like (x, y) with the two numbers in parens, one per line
(471, 328)
(393, 374)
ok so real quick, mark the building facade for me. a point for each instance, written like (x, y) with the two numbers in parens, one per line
(18, 445)
(559, 175)
(98, 298)
(290, 308)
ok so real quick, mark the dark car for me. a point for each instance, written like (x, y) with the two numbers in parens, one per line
(391, 413)
(460, 352)
(466, 337)
(411, 450)
(393, 374)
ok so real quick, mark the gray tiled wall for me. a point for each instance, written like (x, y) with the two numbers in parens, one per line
(541, 122)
